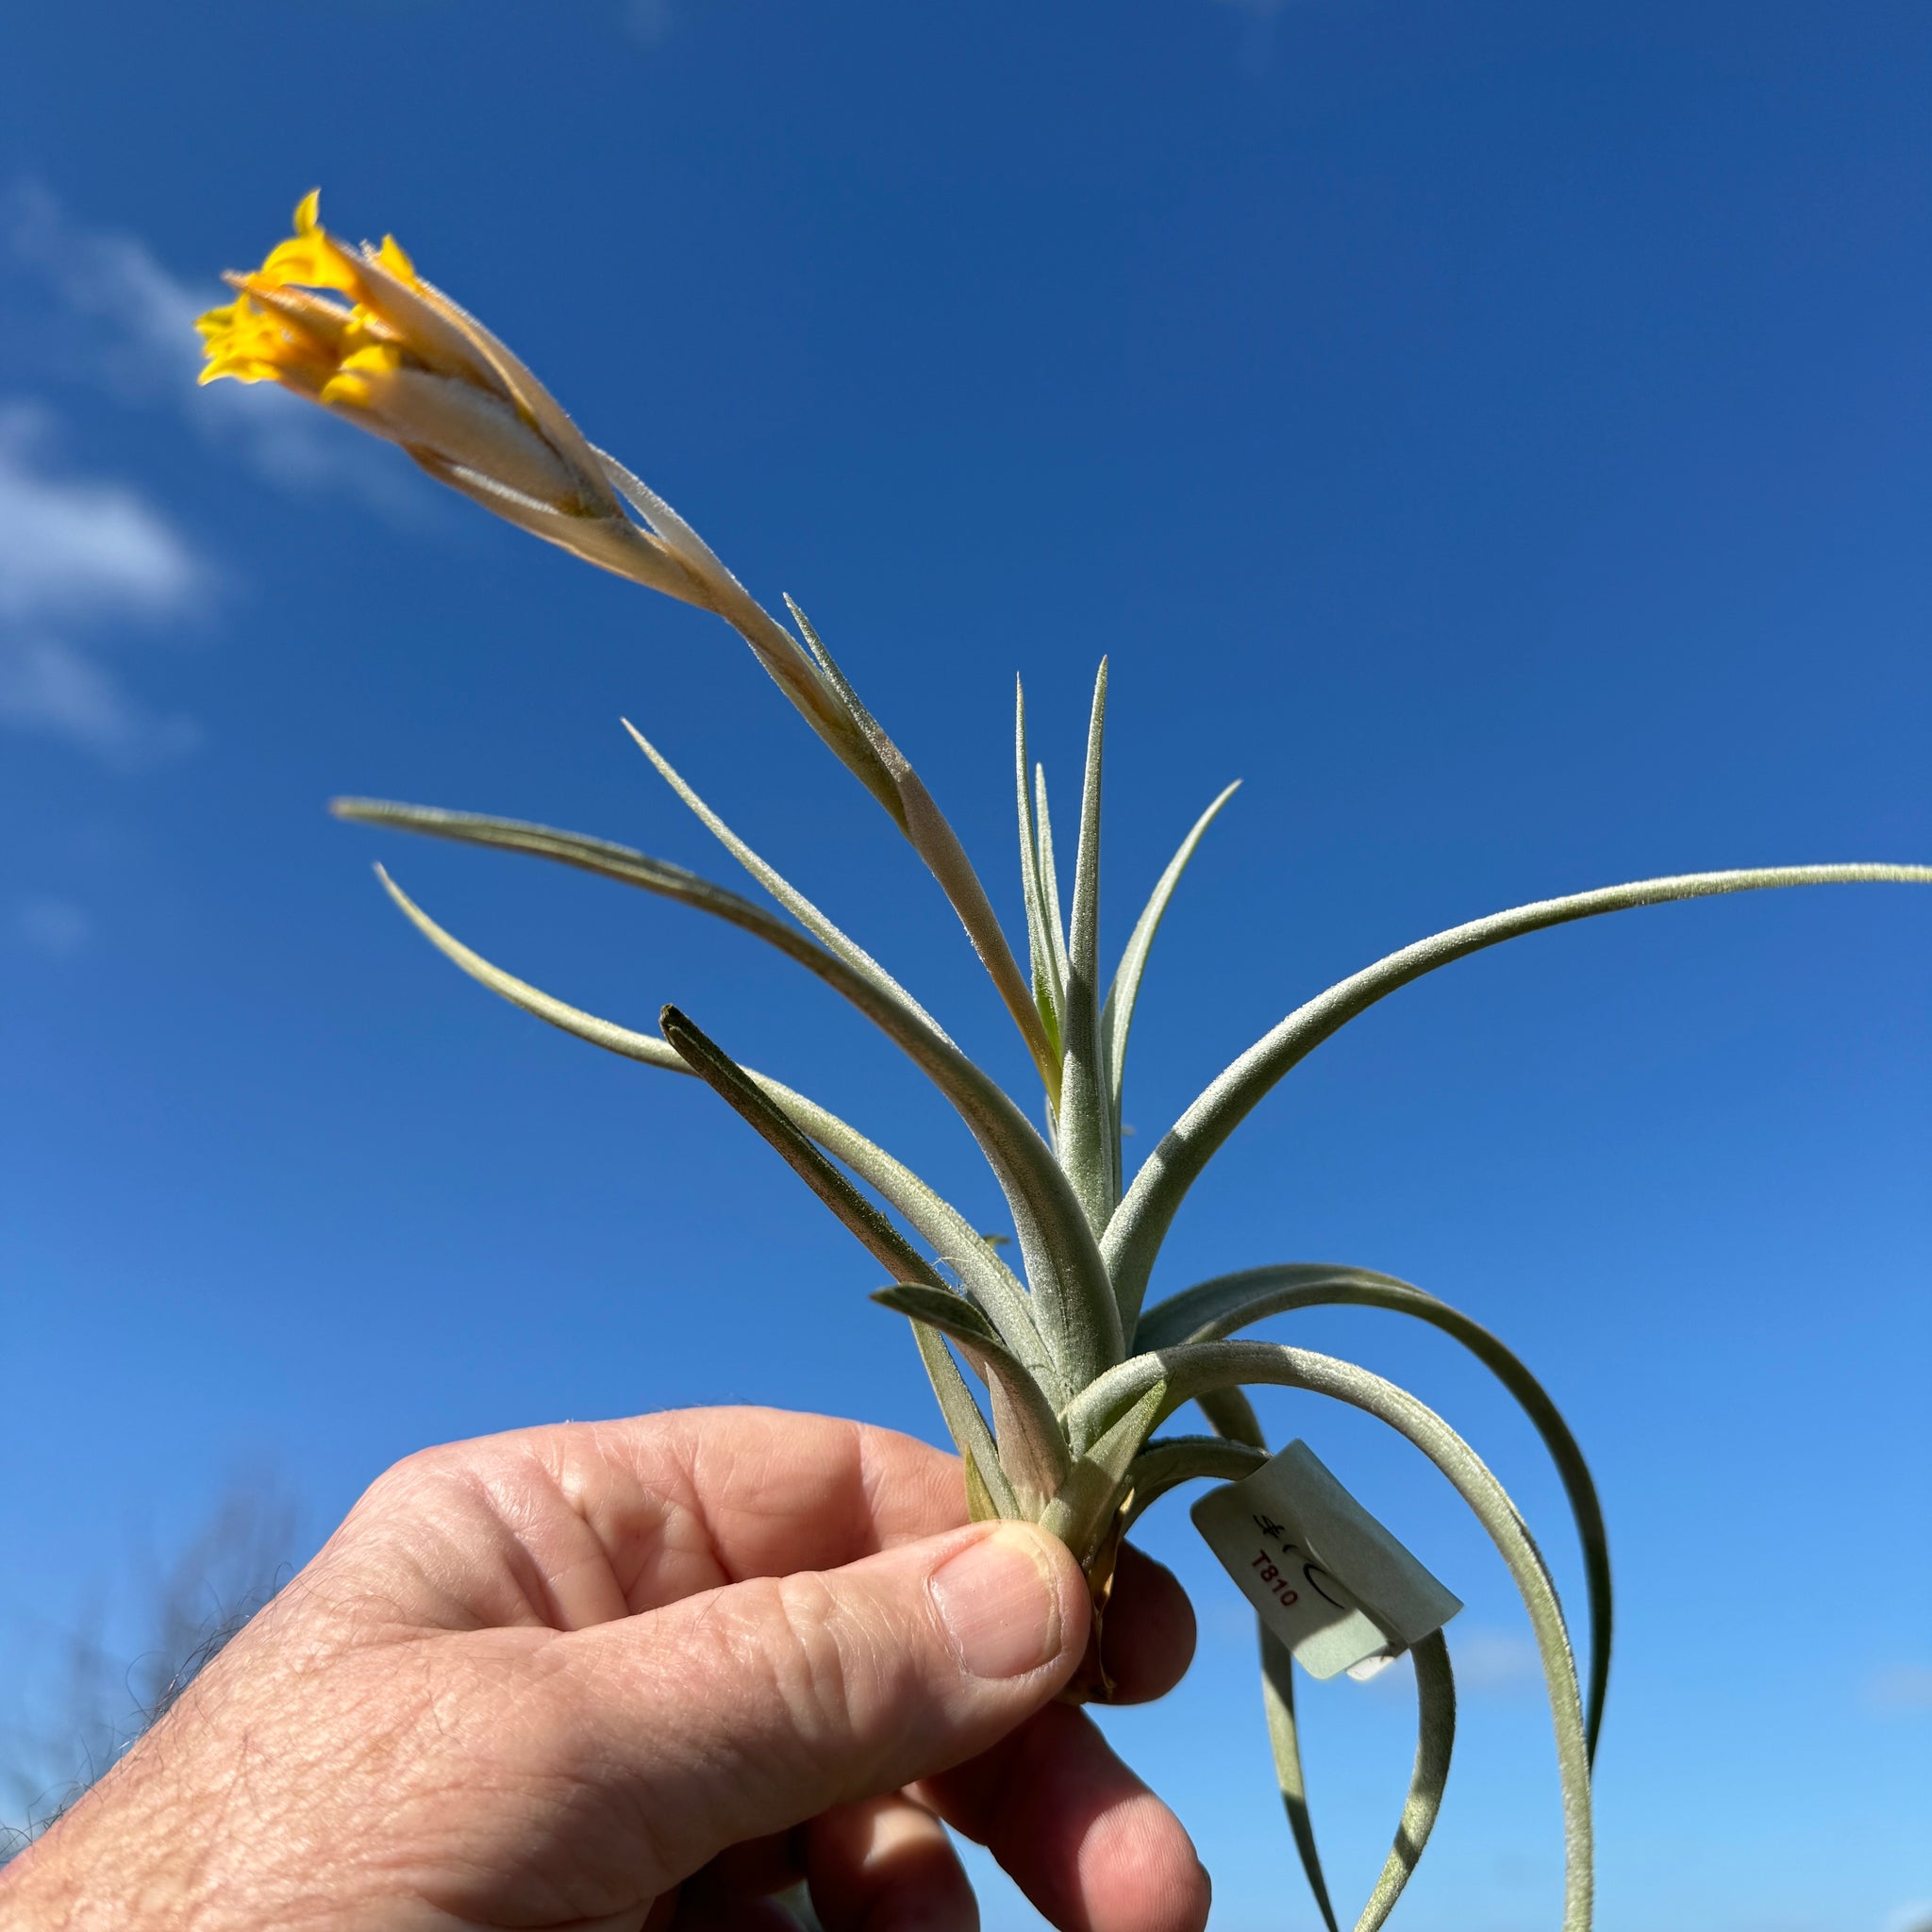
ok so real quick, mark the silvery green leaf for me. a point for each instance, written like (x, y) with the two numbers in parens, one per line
(933, 838)
(887, 1245)
(1117, 1017)
(982, 1505)
(789, 666)
(1049, 990)
(1084, 1123)
(1285, 1744)
(1435, 1699)
(1076, 1309)
(951, 1236)
(519, 993)
(597, 856)
(963, 1420)
(736, 1088)
(987, 1279)
(1049, 878)
(1140, 1222)
(781, 888)
(1084, 1508)
(988, 1492)
(1181, 1374)
(1168, 1461)
(1217, 1307)
(1032, 1450)
(1231, 1414)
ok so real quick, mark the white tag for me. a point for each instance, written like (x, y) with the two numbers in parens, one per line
(1326, 1577)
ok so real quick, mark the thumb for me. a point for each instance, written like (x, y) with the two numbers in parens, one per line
(745, 1710)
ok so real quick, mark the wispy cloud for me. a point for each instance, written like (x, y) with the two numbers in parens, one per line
(125, 321)
(56, 928)
(78, 556)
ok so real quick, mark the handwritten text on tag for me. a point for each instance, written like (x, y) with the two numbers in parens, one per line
(1326, 1576)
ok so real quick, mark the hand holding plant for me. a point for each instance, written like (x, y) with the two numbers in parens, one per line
(1079, 1371)
(623, 1675)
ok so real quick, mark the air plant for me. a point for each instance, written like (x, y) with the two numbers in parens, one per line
(1079, 1372)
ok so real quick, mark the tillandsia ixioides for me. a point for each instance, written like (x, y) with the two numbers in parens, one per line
(1079, 1371)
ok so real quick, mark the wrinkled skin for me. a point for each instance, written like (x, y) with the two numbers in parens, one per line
(647, 1673)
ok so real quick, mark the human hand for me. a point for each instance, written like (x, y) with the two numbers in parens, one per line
(602, 1676)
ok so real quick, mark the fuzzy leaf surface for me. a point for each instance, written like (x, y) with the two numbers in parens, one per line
(1073, 1300)
(1216, 1308)
(1140, 1222)
(1182, 1373)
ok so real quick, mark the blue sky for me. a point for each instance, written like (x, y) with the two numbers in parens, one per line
(1498, 434)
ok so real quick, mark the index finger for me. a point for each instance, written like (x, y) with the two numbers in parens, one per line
(619, 1517)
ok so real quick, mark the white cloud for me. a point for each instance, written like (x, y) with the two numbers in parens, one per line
(129, 323)
(1900, 1687)
(78, 556)
(55, 928)
(82, 548)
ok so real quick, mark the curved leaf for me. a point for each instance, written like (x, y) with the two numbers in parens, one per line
(1183, 1373)
(1214, 1308)
(789, 666)
(1073, 1299)
(1116, 1016)
(1032, 1450)
(1168, 1461)
(1231, 1414)
(1285, 1746)
(732, 1083)
(953, 1237)
(727, 1079)
(780, 888)
(988, 1492)
(932, 837)
(1435, 1699)
(1089, 1498)
(1140, 1222)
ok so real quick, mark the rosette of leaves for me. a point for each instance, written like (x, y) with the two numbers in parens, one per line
(1063, 1412)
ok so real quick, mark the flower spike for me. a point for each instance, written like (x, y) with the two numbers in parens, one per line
(358, 331)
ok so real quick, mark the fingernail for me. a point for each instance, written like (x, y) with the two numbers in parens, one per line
(1000, 1604)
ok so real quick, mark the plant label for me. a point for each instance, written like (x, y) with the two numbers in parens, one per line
(1336, 1589)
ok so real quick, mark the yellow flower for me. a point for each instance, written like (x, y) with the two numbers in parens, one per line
(360, 332)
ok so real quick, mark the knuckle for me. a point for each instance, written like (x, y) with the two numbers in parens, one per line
(807, 1651)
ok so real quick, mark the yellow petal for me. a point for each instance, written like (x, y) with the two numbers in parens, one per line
(392, 256)
(313, 260)
(218, 322)
(379, 356)
(332, 325)
(309, 212)
(252, 344)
